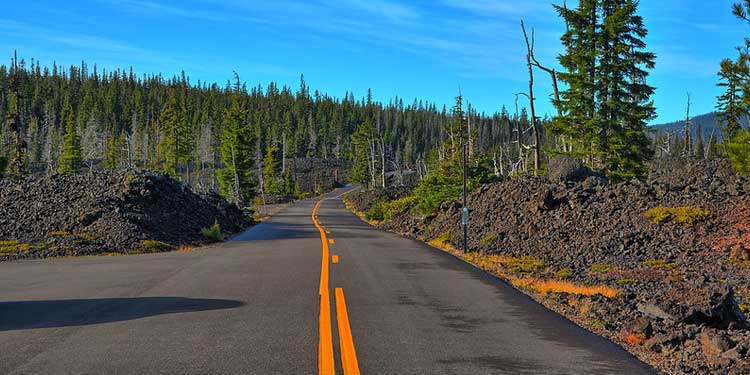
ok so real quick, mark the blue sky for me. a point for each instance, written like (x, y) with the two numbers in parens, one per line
(423, 49)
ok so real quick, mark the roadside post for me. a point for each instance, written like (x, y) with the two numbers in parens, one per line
(465, 211)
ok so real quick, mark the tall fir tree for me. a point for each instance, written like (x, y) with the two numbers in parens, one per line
(271, 171)
(175, 146)
(71, 160)
(362, 140)
(730, 107)
(578, 103)
(607, 104)
(291, 186)
(624, 96)
(237, 153)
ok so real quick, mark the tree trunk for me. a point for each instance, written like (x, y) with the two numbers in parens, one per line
(382, 161)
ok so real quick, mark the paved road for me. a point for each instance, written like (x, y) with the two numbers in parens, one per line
(251, 306)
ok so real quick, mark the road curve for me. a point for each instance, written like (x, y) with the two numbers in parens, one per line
(252, 306)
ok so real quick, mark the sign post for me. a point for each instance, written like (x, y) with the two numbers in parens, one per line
(465, 211)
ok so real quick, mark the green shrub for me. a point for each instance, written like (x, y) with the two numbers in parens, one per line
(305, 195)
(738, 150)
(627, 281)
(151, 246)
(8, 247)
(213, 233)
(659, 264)
(745, 308)
(564, 273)
(527, 264)
(601, 268)
(399, 206)
(446, 184)
(375, 212)
(443, 237)
(686, 216)
(58, 233)
(86, 237)
(486, 240)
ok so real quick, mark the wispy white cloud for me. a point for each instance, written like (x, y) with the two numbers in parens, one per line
(391, 11)
(74, 40)
(155, 8)
(494, 8)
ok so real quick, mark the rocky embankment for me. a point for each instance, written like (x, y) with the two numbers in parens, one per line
(106, 212)
(661, 267)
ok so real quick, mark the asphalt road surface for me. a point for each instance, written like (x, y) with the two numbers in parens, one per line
(253, 306)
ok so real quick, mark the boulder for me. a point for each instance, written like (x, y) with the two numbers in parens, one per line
(714, 306)
(640, 327)
(740, 253)
(566, 168)
(654, 311)
(714, 344)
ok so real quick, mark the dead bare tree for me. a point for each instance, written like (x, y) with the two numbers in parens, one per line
(666, 146)
(688, 136)
(382, 161)
(518, 130)
(529, 54)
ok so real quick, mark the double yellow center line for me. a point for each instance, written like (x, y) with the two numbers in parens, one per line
(326, 364)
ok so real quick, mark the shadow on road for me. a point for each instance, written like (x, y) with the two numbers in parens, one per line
(19, 315)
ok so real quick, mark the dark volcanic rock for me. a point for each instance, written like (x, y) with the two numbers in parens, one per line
(107, 212)
(641, 327)
(566, 168)
(713, 344)
(316, 176)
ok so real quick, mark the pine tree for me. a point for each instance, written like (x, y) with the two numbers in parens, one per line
(270, 171)
(173, 143)
(699, 146)
(456, 129)
(113, 154)
(362, 140)
(71, 160)
(607, 104)
(237, 153)
(577, 104)
(625, 106)
(730, 107)
(738, 150)
(291, 187)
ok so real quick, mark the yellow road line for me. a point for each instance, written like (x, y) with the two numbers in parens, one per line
(331, 241)
(348, 354)
(325, 344)
(335, 259)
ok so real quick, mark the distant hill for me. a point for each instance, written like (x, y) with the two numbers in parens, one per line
(708, 123)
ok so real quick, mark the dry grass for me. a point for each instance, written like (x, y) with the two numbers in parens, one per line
(545, 287)
(498, 265)
(185, 248)
(634, 339)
